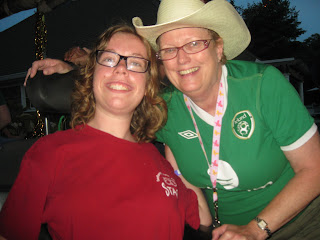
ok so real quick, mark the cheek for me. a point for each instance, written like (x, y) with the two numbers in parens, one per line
(94, 82)
(169, 65)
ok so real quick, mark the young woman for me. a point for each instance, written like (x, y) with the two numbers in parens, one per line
(102, 179)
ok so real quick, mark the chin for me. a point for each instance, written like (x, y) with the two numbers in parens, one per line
(189, 88)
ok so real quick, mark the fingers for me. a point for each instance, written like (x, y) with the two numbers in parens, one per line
(218, 232)
(48, 66)
(231, 232)
(26, 78)
(36, 65)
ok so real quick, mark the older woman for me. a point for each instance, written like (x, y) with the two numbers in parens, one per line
(238, 130)
(102, 179)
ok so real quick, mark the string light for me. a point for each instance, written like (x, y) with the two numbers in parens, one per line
(40, 36)
(38, 129)
(40, 42)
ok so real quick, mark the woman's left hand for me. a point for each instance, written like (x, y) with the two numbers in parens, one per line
(234, 232)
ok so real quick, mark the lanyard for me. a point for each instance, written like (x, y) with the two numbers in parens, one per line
(217, 123)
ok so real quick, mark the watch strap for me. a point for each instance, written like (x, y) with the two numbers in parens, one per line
(263, 225)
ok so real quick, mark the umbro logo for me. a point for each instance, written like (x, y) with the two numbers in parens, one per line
(188, 134)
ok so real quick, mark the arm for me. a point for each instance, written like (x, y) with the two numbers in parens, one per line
(305, 162)
(204, 212)
(5, 117)
(48, 66)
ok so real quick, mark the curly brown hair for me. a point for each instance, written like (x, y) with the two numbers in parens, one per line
(151, 113)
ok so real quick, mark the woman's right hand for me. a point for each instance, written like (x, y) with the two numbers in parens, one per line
(48, 66)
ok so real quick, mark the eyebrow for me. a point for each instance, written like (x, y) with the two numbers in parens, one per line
(131, 55)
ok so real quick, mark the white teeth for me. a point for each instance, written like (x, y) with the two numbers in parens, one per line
(191, 70)
(118, 87)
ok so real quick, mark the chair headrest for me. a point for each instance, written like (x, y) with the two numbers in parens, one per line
(51, 93)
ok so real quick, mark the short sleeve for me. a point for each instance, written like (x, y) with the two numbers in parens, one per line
(282, 108)
(191, 207)
(188, 201)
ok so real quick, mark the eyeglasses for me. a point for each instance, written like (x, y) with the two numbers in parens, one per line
(190, 48)
(112, 59)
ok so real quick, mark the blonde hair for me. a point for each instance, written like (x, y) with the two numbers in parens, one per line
(149, 116)
(215, 36)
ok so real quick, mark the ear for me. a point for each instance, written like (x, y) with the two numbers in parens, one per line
(219, 48)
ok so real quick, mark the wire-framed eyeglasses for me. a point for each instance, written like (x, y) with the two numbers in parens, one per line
(190, 48)
(112, 59)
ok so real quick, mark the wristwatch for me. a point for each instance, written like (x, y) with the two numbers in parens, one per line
(263, 225)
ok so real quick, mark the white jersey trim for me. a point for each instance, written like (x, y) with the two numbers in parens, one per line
(209, 119)
(305, 138)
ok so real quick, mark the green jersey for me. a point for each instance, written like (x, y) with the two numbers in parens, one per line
(263, 117)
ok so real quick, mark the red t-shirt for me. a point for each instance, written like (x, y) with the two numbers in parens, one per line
(88, 184)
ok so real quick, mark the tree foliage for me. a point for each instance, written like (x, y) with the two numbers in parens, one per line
(274, 27)
(310, 54)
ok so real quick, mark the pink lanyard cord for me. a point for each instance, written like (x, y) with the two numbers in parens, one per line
(217, 123)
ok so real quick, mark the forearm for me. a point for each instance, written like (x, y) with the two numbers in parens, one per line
(301, 189)
(294, 197)
(5, 117)
(204, 211)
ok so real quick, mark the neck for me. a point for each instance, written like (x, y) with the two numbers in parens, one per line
(207, 98)
(118, 126)
(207, 101)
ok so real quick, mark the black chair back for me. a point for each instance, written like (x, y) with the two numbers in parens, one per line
(52, 93)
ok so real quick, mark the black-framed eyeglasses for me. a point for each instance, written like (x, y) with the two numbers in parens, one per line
(190, 48)
(112, 59)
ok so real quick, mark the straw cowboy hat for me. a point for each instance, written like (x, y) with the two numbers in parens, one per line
(217, 15)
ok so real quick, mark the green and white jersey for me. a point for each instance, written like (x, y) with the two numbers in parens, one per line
(263, 117)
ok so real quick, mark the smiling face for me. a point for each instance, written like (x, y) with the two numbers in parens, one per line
(196, 74)
(118, 91)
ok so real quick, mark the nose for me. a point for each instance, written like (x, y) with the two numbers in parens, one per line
(121, 67)
(182, 56)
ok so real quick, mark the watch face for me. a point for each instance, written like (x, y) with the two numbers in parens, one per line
(262, 224)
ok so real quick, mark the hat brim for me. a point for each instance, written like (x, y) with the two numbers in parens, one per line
(217, 15)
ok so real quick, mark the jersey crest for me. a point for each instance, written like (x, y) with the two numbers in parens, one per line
(243, 124)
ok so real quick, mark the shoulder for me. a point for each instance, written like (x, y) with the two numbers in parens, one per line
(245, 69)
(170, 92)
(49, 143)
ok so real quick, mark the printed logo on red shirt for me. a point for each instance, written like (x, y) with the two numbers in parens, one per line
(168, 183)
